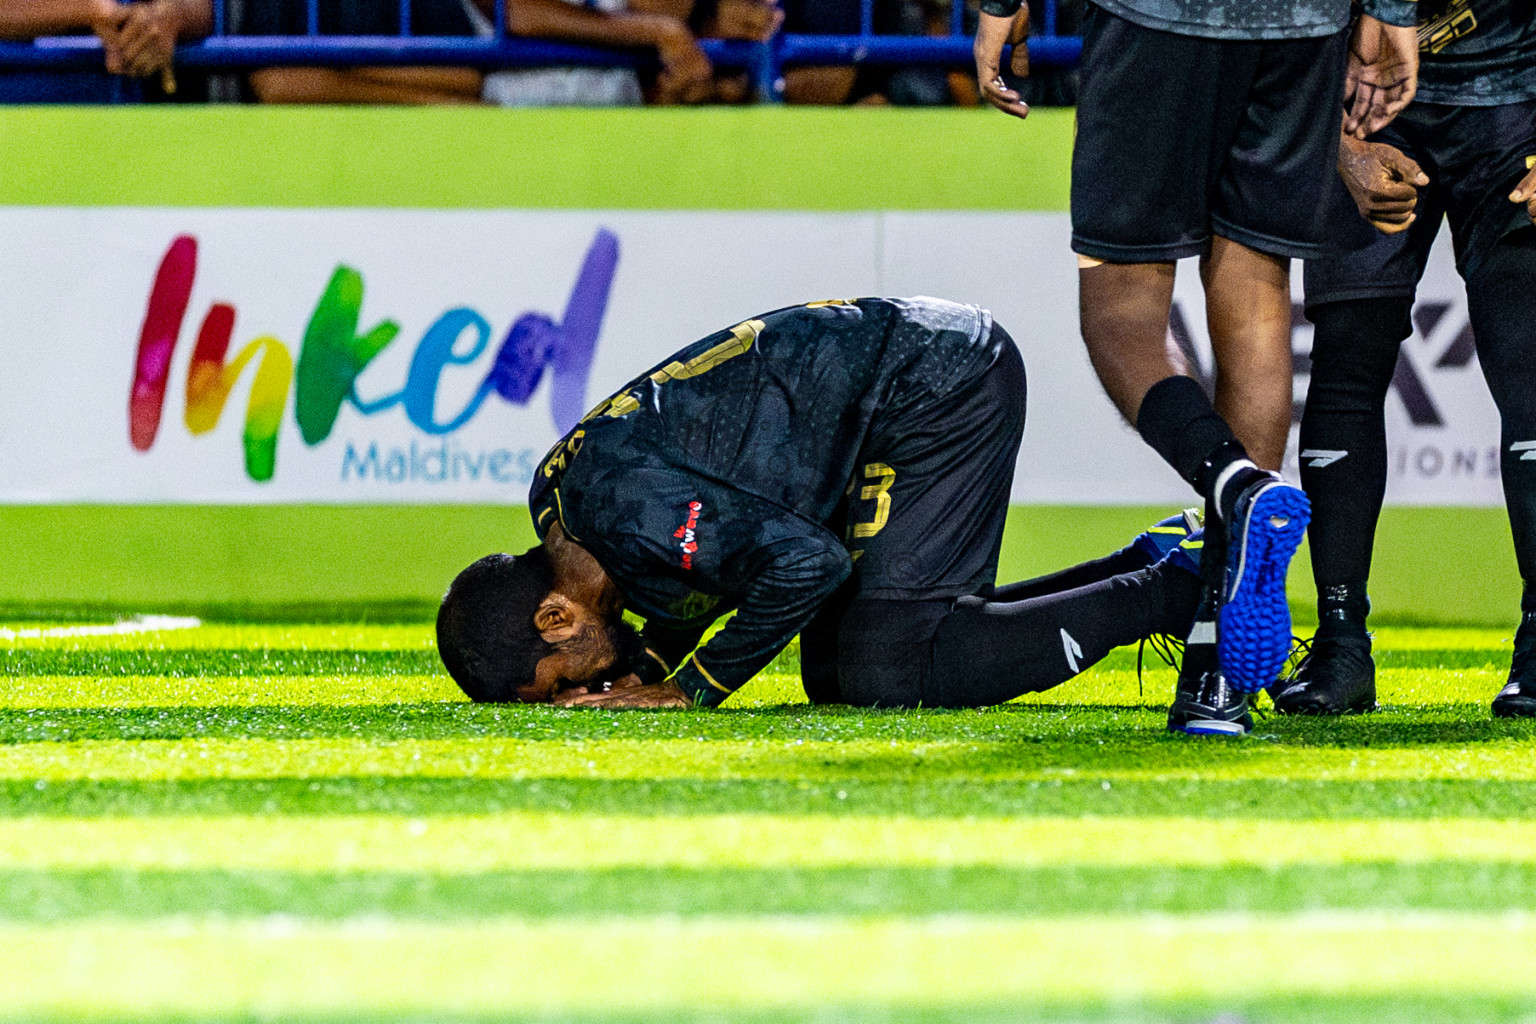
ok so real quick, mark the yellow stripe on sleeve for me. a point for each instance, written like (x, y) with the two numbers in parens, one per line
(705, 673)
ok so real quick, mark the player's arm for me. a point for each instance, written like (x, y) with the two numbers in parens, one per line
(27, 19)
(686, 74)
(666, 648)
(789, 580)
(402, 85)
(1001, 22)
(1383, 182)
(1383, 70)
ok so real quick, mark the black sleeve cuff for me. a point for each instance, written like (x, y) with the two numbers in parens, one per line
(650, 668)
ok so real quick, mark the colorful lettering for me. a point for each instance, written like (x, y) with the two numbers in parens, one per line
(210, 379)
(334, 354)
(168, 299)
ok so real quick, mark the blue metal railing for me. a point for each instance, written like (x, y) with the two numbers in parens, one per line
(225, 51)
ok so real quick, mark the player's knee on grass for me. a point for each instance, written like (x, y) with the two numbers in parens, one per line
(883, 651)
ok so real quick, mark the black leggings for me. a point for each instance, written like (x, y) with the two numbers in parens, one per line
(1354, 357)
(976, 651)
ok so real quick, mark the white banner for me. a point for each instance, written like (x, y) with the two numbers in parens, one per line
(427, 356)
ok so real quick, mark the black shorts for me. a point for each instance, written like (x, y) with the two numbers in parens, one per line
(926, 508)
(1183, 137)
(1474, 157)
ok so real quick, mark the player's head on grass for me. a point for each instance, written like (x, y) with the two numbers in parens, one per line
(523, 628)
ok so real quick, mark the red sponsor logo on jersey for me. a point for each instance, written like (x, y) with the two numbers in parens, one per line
(685, 534)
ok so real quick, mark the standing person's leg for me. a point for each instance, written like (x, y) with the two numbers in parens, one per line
(1344, 471)
(1203, 138)
(1492, 150)
(1359, 297)
(1501, 297)
(1248, 310)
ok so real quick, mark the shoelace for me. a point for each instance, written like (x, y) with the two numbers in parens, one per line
(1300, 656)
(1169, 648)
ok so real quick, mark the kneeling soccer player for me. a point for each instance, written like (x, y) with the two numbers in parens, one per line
(839, 470)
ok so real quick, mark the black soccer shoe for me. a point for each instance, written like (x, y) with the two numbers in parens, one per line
(1516, 700)
(1337, 677)
(1205, 705)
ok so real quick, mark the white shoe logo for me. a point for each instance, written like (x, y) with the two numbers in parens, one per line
(1323, 457)
(1529, 447)
(1073, 651)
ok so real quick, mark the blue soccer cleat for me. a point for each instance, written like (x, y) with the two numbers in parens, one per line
(1162, 537)
(1186, 554)
(1269, 520)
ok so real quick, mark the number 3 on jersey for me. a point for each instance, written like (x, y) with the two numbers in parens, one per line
(878, 491)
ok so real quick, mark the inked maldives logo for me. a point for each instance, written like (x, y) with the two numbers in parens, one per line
(333, 353)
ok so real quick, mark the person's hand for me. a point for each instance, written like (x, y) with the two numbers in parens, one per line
(752, 20)
(1383, 182)
(1382, 75)
(626, 694)
(107, 17)
(1525, 192)
(992, 34)
(686, 75)
(143, 40)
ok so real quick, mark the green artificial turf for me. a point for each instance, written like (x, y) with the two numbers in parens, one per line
(254, 822)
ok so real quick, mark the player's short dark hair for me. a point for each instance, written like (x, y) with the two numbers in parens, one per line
(485, 631)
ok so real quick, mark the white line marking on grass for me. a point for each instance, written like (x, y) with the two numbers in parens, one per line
(137, 624)
(531, 840)
(653, 760)
(291, 967)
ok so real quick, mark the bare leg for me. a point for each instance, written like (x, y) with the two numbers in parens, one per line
(1124, 313)
(1248, 309)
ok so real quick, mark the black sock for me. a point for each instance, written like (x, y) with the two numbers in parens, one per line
(1342, 609)
(1344, 447)
(1200, 640)
(1181, 425)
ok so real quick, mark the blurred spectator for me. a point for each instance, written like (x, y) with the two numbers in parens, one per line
(871, 84)
(138, 41)
(668, 27)
(304, 84)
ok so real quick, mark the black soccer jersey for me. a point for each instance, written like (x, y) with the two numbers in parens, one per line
(1245, 20)
(1477, 53)
(706, 484)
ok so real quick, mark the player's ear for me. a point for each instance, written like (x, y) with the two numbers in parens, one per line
(554, 617)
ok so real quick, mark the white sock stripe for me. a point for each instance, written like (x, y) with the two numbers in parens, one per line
(1203, 632)
(1226, 478)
